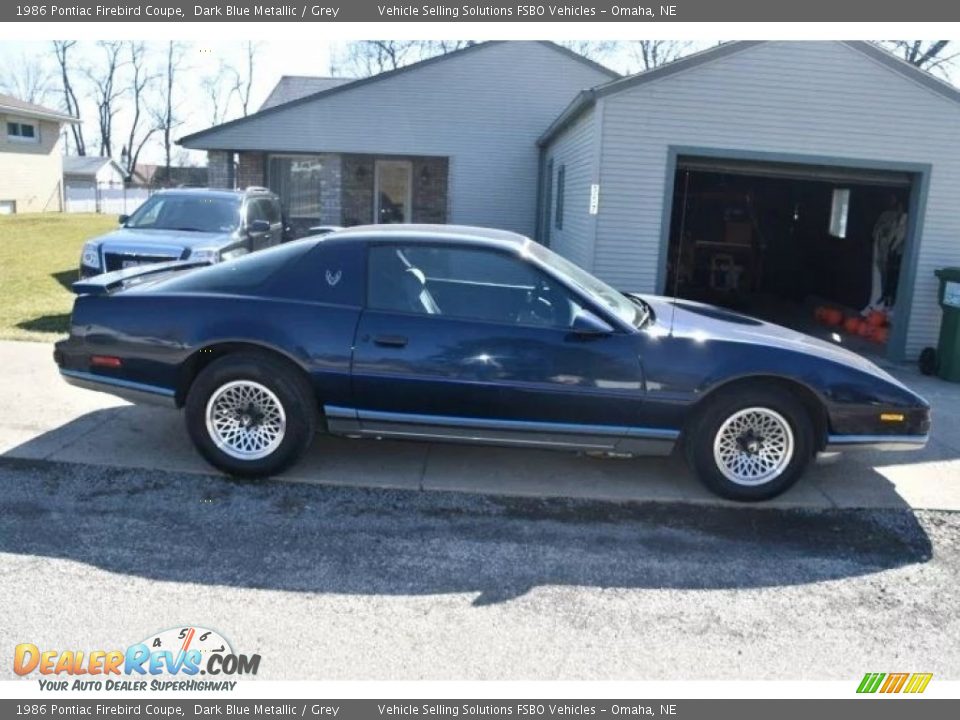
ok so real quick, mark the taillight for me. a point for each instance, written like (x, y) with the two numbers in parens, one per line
(105, 361)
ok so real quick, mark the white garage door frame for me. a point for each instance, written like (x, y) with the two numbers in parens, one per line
(919, 188)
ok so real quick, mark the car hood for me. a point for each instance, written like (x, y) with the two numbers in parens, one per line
(123, 237)
(701, 321)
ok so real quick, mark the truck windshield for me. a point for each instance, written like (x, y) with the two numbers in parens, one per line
(192, 213)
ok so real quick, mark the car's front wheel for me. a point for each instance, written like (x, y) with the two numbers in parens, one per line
(251, 415)
(752, 444)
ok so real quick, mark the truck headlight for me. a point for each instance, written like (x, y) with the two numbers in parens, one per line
(90, 256)
(210, 256)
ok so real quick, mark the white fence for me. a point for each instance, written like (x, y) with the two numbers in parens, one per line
(107, 200)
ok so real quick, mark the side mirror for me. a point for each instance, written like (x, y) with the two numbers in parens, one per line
(123, 219)
(259, 226)
(587, 325)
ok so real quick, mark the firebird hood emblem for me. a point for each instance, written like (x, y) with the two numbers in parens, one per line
(334, 277)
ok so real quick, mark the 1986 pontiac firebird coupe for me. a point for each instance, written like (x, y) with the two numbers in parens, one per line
(471, 335)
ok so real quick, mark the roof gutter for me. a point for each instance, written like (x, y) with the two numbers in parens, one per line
(33, 114)
(584, 100)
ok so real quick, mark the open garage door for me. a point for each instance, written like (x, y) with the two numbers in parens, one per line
(783, 240)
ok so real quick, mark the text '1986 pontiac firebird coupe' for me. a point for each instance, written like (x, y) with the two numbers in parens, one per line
(446, 333)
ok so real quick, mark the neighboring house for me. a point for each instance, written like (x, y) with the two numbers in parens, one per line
(294, 87)
(449, 139)
(154, 177)
(31, 174)
(98, 184)
(752, 174)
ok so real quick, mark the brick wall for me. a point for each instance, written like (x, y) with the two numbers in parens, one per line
(250, 170)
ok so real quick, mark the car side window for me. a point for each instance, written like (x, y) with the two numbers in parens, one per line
(468, 283)
(255, 211)
(271, 210)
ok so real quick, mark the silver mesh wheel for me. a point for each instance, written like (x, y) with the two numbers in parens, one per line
(753, 446)
(246, 420)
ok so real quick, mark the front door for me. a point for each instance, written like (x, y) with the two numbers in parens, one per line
(477, 343)
(393, 191)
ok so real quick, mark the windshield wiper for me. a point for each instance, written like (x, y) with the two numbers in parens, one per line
(646, 310)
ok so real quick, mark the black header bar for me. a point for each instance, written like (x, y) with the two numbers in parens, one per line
(331, 11)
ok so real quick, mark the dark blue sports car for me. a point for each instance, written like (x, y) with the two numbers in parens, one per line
(471, 335)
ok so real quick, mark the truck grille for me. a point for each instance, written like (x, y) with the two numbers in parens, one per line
(115, 261)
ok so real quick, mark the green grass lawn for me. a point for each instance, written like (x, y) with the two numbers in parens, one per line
(39, 255)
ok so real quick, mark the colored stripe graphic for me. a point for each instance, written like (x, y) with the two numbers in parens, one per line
(918, 682)
(870, 682)
(894, 683)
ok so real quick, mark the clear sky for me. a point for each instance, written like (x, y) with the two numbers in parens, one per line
(274, 58)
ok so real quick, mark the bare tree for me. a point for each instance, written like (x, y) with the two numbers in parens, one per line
(218, 95)
(61, 49)
(650, 54)
(106, 91)
(165, 114)
(243, 81)
(27, 78)
(140, 81)
(596, 50)
(925, 54)
(372, 57)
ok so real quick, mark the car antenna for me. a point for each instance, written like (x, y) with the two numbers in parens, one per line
(676, 266)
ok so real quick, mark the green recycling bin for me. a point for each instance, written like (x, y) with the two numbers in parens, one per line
(948, 349)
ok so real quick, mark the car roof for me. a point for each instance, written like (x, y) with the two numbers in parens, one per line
(413, 233)
(217, 192)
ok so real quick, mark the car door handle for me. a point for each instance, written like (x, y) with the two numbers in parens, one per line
(390, 341)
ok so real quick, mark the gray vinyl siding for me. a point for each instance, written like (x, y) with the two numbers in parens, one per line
(808, 98)
(573, 149)
(483, 108)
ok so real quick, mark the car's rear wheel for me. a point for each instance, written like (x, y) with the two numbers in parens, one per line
(751, 444)
(251, 415)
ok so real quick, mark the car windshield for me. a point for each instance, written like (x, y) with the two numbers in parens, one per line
(191, 213)
(629, 309)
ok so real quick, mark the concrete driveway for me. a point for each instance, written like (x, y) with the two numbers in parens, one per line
(45, 419)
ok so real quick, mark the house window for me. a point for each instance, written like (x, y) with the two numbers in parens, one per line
(561, 178)
(298, 180)
(22, 132)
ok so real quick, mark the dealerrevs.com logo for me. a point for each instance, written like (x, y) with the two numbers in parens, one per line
(185, 658)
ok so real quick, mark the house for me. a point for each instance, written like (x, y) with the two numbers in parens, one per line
(755, 175)
(449, 139)
(93, 184)
(31, 173)
(146, 175)
(92, 171)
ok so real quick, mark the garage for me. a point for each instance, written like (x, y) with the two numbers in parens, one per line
(815, 247)
(764, 177)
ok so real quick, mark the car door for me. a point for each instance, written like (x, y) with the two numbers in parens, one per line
(274, 216)
(257, 211)
(475, 342)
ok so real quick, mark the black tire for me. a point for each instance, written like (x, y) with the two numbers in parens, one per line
(928, 361)
(287, 385)
(702, 432)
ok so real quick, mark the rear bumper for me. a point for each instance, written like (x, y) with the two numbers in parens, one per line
(134, 392)
(836, 443)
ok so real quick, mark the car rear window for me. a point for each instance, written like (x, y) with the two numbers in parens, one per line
(244, 275)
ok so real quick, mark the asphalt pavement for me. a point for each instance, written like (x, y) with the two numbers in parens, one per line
(333, 582)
